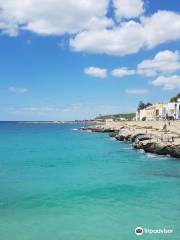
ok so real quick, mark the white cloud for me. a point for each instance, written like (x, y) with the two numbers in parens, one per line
(18, 90)
(96, 72)
(93, 31)
(53, 17)
(118, 41)
(161, 27)
(136, 91)
(122, 72)
(165, 62)
(128, 8)
(168, 83)
(129, 37)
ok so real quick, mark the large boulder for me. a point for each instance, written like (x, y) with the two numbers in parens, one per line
(140, 137)
(174, 150)
(155, 147)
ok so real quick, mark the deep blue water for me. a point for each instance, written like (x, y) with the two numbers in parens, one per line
(60, 184)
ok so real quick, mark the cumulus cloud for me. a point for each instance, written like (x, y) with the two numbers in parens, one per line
(122, 72)
(165, 62)
(17, 90)
(96, 72)
(118, 41)
(168, 83)
(128, 8)
(131, 36)
(136, 91)
(161, 27)
(87, 21)
(52, 17)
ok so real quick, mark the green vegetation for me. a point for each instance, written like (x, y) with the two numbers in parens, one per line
(143, 105)
(174, 99)
(127, 116)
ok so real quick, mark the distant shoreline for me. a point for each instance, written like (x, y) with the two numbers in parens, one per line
(51, 122)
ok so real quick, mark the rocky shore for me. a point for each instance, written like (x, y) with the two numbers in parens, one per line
(147, 137)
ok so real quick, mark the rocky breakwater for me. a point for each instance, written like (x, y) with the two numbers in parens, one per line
(160, 148)
(151, 143)
(149, 139)
(98, 128)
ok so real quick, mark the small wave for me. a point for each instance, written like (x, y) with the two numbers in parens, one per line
(140, 151)
(151, 155)
(159, 157)
(113, 139)
(127, 148)
(75, 129)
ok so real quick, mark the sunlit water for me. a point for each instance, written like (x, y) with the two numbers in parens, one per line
(60, 184)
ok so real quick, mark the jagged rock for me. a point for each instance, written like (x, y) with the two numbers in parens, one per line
(138, 145)
(133, 137)
(108, 130)
(123, 137)
(128, 137)
(158, 148)
(140, 140)
(98, 129)
(174, 150)
(155, 147)
(120, 137)
(113, 134)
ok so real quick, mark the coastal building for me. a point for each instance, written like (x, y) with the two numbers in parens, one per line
(160, 111)
(141, 115)
(150, 113)
(173, 110)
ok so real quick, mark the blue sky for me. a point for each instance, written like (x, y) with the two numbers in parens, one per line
(62, 60)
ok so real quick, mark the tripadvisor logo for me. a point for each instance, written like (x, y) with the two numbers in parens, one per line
(139, 231)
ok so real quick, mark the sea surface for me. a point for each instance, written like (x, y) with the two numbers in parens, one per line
(57, 183)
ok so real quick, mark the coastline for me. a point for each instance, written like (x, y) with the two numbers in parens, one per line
(157, 137)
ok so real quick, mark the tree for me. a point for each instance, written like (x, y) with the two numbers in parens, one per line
(148, 104)
(141, 105)
(175, 98)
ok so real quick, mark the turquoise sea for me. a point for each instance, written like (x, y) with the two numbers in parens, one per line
(60, 184)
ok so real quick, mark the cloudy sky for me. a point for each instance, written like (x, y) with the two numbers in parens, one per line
(66, 59)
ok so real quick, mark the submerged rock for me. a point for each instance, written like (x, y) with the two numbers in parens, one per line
(120, 137)
(113, 134)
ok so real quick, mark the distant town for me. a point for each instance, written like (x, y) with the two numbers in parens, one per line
(148, 112)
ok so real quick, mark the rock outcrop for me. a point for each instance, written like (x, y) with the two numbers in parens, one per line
(140, 139)
(159, 148)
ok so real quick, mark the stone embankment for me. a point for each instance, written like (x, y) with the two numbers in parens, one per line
(159, 141)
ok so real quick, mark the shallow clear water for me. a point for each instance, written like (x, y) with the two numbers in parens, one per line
(60, 184)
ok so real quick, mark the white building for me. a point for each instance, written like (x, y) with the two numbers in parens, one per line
(140, 115)
(160, 111)
(173, 110)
